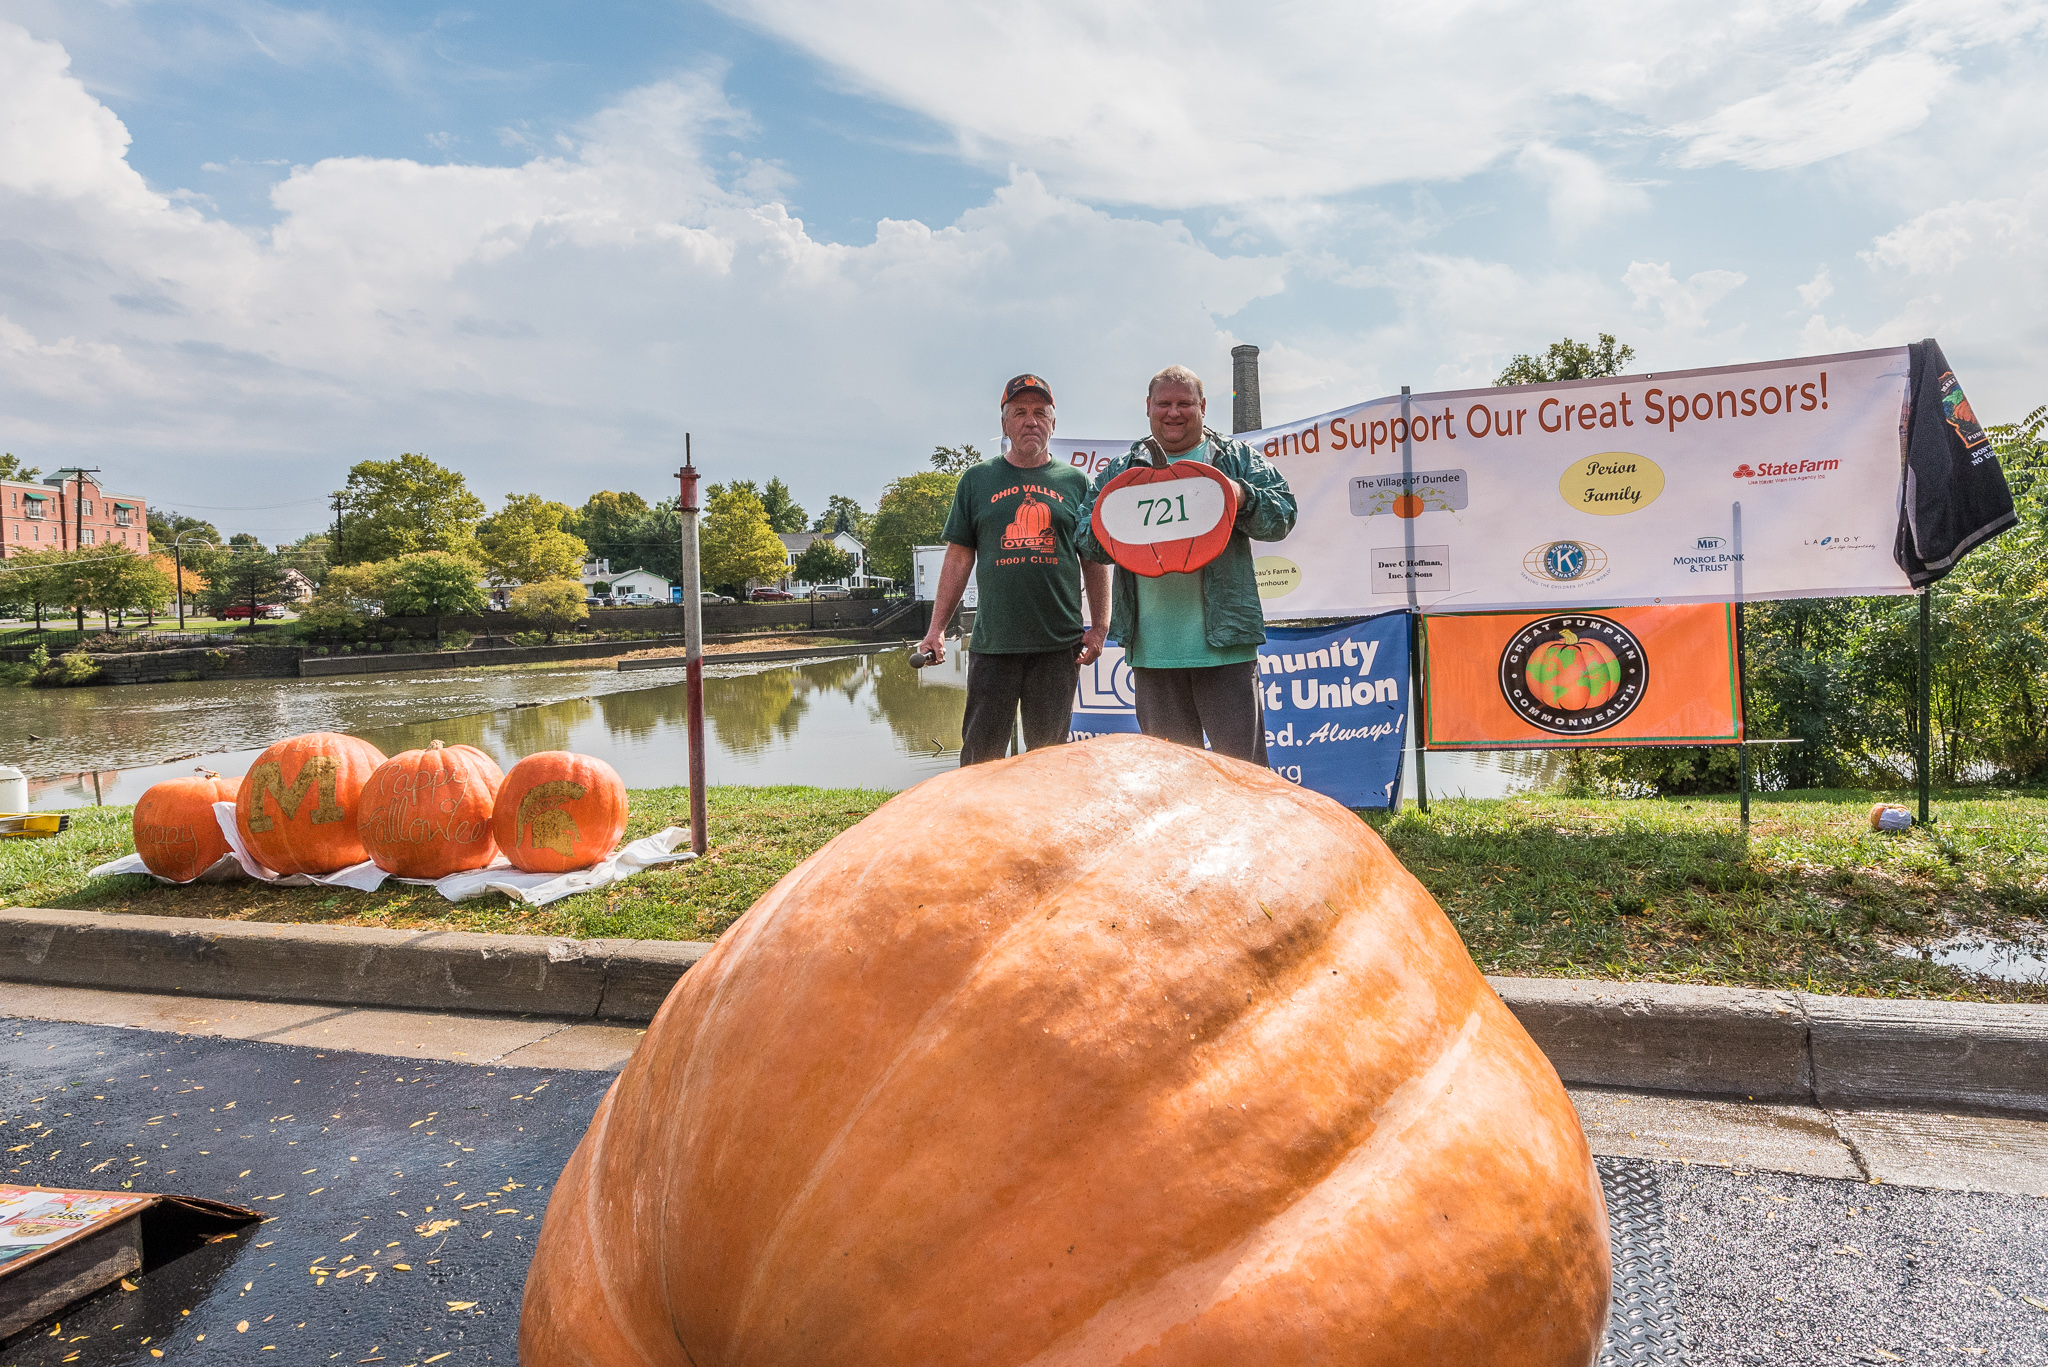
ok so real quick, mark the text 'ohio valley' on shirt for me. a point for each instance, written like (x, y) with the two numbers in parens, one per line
(1020, 525)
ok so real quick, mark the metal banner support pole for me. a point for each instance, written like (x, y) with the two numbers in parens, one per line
(1926, 695)
(1416, 704)
(693, 643)
(1742, 684)
(1414, 608)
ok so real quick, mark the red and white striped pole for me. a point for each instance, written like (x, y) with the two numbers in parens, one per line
(693, 644)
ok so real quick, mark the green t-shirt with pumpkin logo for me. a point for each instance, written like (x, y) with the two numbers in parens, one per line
(1020, 525)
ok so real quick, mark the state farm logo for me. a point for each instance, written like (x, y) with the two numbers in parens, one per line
(1565, 562)
(1774, 470)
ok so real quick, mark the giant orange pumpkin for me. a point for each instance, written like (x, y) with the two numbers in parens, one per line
(176, 832)
(558, 811)
(1112, 1053)
(427, 813)
(296, 808)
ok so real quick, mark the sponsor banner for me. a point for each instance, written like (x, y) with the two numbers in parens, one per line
(1335, 698)
(1619, 490)
(1609, 676)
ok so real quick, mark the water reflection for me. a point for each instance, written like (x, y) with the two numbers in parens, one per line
(860, 721)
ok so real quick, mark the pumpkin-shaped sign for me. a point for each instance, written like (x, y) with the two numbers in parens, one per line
(1156, 520)
(427, 813)
(558, 811)
(1186, 1070)
(1573, 673)
(296, 808)
(176, 832)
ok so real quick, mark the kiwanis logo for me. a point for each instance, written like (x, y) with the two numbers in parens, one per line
(1565, 562)
(1031, 528)
(1573, 673)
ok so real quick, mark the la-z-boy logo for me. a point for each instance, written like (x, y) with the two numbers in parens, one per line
(1839, 543)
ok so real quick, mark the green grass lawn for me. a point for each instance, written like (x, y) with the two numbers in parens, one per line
(1663, 889)
(757, 835)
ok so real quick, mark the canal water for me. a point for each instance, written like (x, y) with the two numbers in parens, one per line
(866, 721)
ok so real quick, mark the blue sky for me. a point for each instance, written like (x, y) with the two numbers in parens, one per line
(244, 244)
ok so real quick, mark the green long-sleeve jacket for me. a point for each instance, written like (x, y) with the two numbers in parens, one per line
(1231, 615)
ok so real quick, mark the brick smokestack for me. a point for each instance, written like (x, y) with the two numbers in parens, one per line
(1244, 374)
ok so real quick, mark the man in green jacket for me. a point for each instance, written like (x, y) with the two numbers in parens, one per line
(1192, 640)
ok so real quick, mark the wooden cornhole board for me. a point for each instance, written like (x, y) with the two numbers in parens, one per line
(1166, 519)
(59, 1245)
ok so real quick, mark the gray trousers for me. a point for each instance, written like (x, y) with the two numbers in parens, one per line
(1222, 702)
(1039, 686)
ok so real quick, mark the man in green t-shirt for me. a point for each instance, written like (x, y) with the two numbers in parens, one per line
(1192, 639)
(1013, 525)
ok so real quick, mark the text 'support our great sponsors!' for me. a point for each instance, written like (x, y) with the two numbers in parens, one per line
(1611, 491)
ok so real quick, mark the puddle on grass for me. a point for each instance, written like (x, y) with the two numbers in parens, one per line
(2001, 959)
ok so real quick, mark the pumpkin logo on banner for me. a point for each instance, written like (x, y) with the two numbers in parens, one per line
(1162, 520)
(1573, 673)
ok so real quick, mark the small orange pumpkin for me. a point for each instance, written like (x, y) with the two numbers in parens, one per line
(558, 811)
(176, 832)
(427, 813)
(296, 808)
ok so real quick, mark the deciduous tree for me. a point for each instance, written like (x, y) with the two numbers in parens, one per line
(551, 606)
(912, 513)
(1569, 360)
(609, 524)
(843, 514)
(737, 544)
(12, 468)
(823, 563)
(433, 584)
(392, 508)
(954, 460)
(524, 541)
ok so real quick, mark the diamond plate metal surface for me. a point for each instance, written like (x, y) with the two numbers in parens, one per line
(1643, 1326)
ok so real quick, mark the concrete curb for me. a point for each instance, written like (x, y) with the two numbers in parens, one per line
(1710, 1041)
(622, 980)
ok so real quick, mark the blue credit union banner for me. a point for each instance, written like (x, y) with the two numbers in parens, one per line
(1336, 702)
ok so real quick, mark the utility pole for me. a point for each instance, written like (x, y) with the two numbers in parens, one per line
(693, 643)
(335, 558)
(78, 474)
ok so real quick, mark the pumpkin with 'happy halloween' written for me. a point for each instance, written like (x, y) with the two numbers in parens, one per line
(427, 813)
(176, 831)
(557, 811)
(1186, 1069)
(296, 808)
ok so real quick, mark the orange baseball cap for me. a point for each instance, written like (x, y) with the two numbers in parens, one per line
(1024, 382)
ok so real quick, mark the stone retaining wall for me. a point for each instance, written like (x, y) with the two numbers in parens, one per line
(164, 666)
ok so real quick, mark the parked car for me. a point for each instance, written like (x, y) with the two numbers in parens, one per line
(824, 591)
(599, 600)
(241, 610)
(709, 597)
(771, 596)
(637, 600)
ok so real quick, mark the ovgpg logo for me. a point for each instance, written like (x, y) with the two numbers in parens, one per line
(1565, 562)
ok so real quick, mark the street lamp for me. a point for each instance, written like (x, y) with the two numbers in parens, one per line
(178, 559)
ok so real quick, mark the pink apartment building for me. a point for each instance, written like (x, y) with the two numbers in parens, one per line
(60, 513)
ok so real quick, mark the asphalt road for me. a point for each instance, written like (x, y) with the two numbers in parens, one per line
(430, 1176)
(357, 1160)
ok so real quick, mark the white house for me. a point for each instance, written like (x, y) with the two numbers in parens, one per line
(598, 578)
(794, 544)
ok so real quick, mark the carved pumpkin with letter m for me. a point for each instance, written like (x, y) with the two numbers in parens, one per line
(558, 811)
(1185, 1070)
(297, 806)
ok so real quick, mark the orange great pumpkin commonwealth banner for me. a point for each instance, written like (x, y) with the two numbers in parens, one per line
(1603, 676)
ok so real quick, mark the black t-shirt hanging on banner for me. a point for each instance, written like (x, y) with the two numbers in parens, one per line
(1955, 492)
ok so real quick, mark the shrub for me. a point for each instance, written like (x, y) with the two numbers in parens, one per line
(69, 671)
(529, 638)
(456, 640)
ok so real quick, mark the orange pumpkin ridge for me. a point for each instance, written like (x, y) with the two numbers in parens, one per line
(175, 829)
(1186, 1070)
(557, 811)
(296, 808)
(427, 813)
